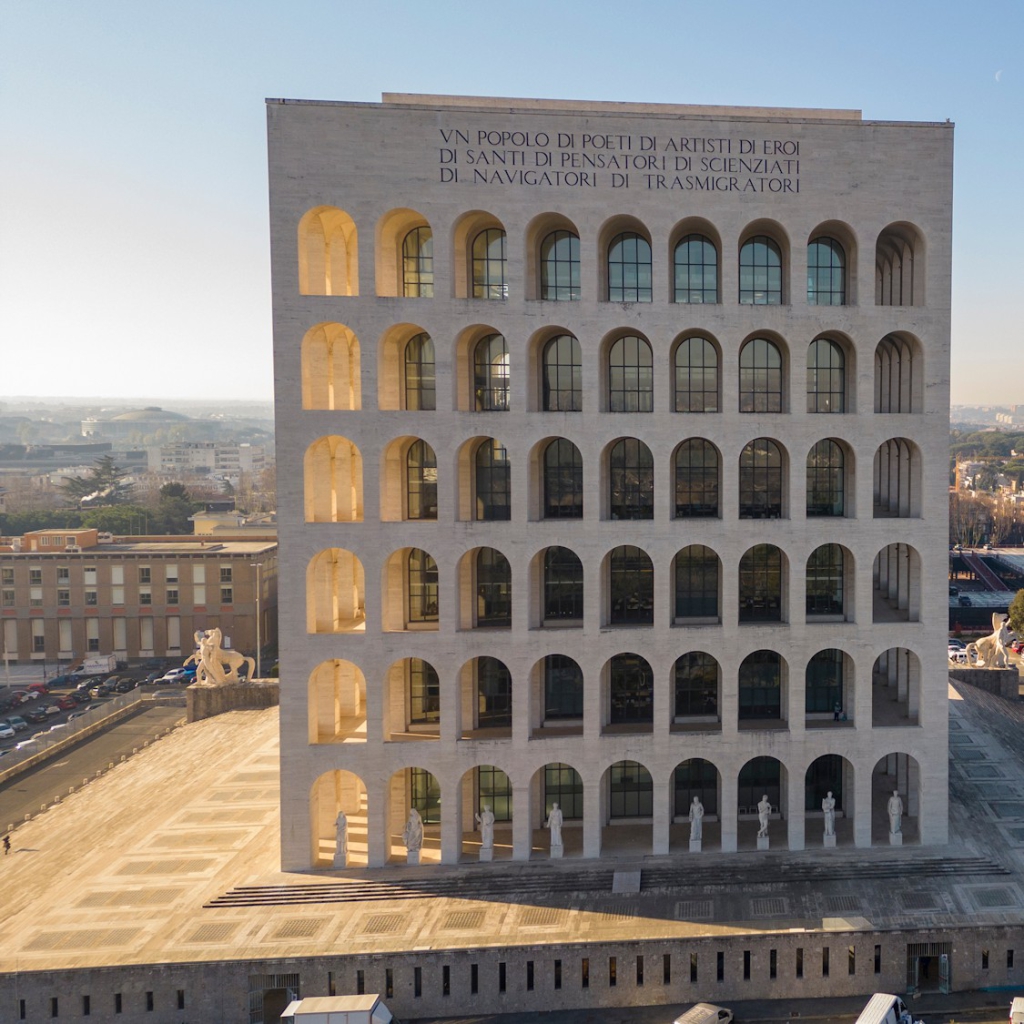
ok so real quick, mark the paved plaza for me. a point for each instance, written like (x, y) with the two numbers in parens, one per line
(172, 857)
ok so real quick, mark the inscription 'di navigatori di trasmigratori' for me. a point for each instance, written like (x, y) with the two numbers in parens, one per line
(695, 163)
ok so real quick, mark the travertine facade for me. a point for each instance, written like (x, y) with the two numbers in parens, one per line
(703, 353)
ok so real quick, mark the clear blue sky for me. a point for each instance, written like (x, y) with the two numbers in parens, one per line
(133, 206)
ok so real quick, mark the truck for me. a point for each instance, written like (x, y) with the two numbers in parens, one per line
(97, 665)
(883, 1008)
(366, 1009)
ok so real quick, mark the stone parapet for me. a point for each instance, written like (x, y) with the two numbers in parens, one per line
(1002, 681)
(207, 701)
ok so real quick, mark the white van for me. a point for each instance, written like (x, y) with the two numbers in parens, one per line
(705, 1013)
(884, 1009)
(1017, 1010)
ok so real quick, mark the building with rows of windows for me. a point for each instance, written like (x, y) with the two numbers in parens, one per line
(612, 473)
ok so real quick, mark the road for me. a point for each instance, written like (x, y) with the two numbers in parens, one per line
(29, 791)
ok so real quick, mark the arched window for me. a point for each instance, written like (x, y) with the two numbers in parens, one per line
(631, 586)
(560, 267)
(629, 269)
(631, 480)
(421, 481)
(494, 694)
(420, 388)
(696, 383)
(563, 586)
(824, 776)
(826, 273)
(425, 795)
(494, 790)
(489, 264)
(760, 272)
(696, 466)
(630, 791)
(418, 264)
(697, 583)
(824, 682)
(761, 480)
(423, 594)
(493, 589)
(760, 684)
(895, 374)
(424, 693)
(825, 479)
(563, 688)
(696, 267)
(696, 682)
(825, 581)
(761, 377)
(826, 377)
(493, 482)
(761, 776)
(562, 372)
(563, 786)
(630, 376)
(696, 778)
(630, 690)
(761, 584)
(490, 374)
(563, 480)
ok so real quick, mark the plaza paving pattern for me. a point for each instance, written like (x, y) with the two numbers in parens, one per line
(172, 856)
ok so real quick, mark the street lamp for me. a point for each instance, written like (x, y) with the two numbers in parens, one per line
(259, 593)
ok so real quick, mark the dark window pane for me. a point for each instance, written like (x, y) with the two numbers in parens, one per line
(418, 264)
(761, 584)
(761, 480)
(421, 481)
(631, 582)
(562, 375)
(563, 480)
(490, 374)
(760, 686)
(826, 273)
(696, 380)
(493, 589)
(489, 265)
(560, 267)
(563, 688)
(826, 377)
(697, 570)
(696, 466)
(420, 389)
(629, 269)
(761, 272)
(631, 480)
(563, 585)
(696, 681)
(696, 270)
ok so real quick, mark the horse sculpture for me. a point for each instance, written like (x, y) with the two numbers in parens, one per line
(990, 651)
(210, 660)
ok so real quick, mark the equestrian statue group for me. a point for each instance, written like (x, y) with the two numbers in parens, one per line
(214, 665)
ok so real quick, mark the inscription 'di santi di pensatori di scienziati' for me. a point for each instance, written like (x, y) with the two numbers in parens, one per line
(693, 163)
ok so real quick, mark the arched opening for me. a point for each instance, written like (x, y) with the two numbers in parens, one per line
(630, 490)
(552, 259)
(412, 701)
(330, 369)
(764, 265)
(628, 684)
(407, 370)
(897, 480)
(762, 590)
(630, 575)
(828, 802)
(696, 779)
(557, 785)
(629, 267)
(895, 688)
(832, 265)
(695, 249)
(481, 257)
(408, 790)
(333, 480)
(333, 794)
(697, 693)
(899, 375)
(335, 593)
(829, 492)
(697, 578)
(410, 591)
(762, 482)
(828, 584)
(896, 575)
(762, 780)
(486, 699)
(627, 809)
(560, 468)
(829, 694)
(896, 801)
(827, 377)
(557, 361)
(763, 684)
(630, 373)
(485, 810)
(558, 596)
(697, 466)
(328, 253)
(899, 266)
(763, 375)
(696, 364)
(405, 255)
(484, 481)
(337, 703)
(409, 481)
(556, 697)
(485, 590)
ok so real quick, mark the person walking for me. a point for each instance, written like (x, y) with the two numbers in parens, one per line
(7, 845)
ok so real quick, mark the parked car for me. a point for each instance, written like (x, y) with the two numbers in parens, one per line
(38, 688)
(705, 1013)
(67, 703)
(26, 744)
(102, 690)
(125, 685)
(34, 715)
(178, 675)
(953, 642)
(1017, 646)
(6, 731)
(52, 709)
(21, 696)
(16, 722)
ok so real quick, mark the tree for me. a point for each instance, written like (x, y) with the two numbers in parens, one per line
(174, 509)
(1017, 613)
(105, 484)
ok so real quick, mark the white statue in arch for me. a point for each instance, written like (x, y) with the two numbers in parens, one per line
(895, 811)
(991, 651)
(828, 806)
(341, 840)
(764, 809)
(486, 820)
(554, 824)
(696, 819)
(214, 665)
(412, 834)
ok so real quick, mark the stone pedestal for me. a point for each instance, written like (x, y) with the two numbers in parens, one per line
(895, 838)
(695, 846)
(412, 857)
(341, 859)
(557, 851)
(762, 842)
(829, 842)
(487, 853)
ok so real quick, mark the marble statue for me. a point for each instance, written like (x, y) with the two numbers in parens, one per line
(764, 808)
(696, 819)
(895, 809)
(210, 660)
(341, 840)
(554, 823)
(990, 651)
(486, 820)
(828, 805)
(412, 834)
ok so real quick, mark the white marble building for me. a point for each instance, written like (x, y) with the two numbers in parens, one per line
(611, 471)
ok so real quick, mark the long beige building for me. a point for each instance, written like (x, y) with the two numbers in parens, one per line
(611, 472)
